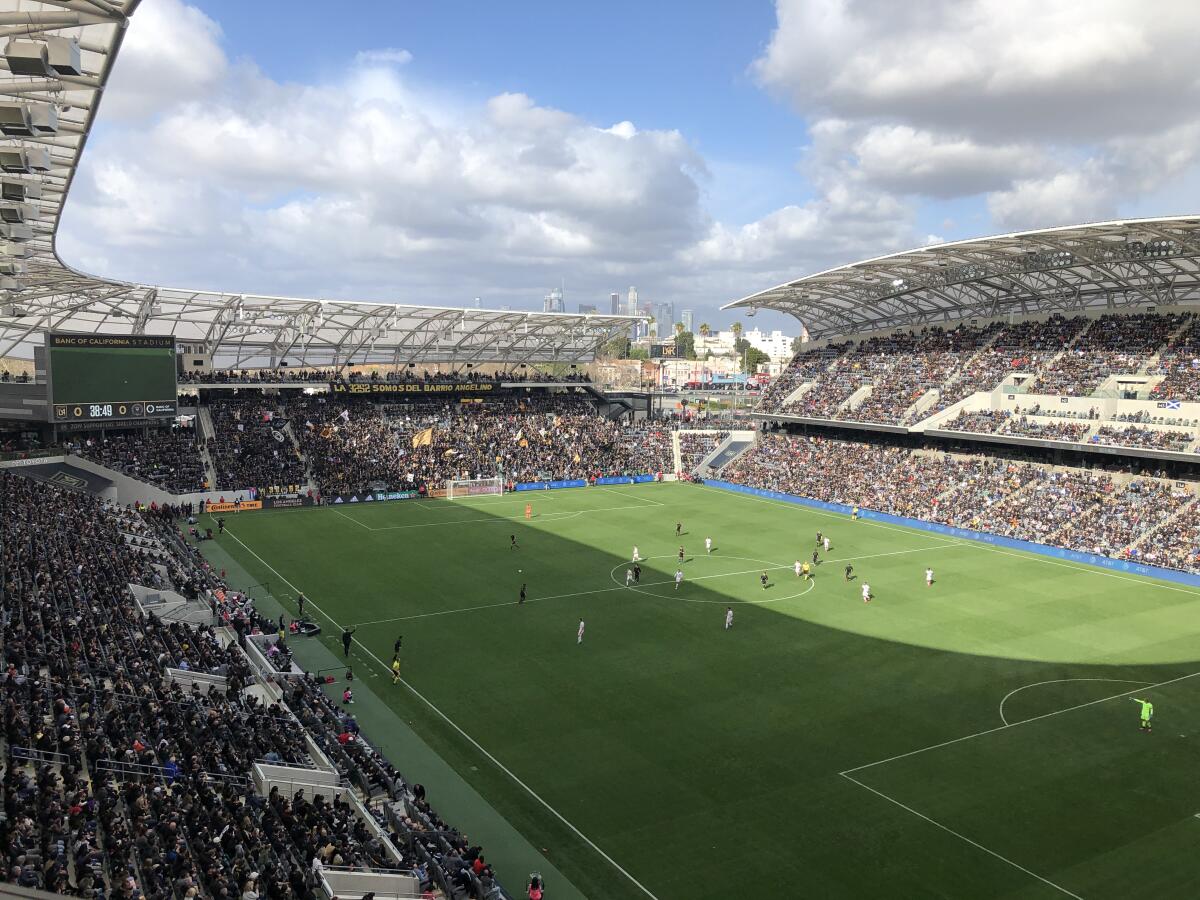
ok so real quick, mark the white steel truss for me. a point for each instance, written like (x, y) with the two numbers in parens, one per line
(1107, 265)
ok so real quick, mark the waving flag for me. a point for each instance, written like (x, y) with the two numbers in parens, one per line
(423, 438)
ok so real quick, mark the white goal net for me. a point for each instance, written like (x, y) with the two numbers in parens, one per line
(457, 488)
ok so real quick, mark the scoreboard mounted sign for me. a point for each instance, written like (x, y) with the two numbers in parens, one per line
(110, 377)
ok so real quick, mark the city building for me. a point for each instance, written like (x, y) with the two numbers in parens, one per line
(776, 345)
(631, 303)
(664, 319)
(614, 303)
(688, 318)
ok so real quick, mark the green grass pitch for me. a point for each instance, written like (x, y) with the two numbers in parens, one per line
(974, 739)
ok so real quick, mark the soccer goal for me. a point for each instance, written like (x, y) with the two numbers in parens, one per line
(457, 488)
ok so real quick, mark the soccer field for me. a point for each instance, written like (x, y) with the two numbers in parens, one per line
(973, 739)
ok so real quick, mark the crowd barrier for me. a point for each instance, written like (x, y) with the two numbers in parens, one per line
(1092, 559)
(626, 479)
(550, 485)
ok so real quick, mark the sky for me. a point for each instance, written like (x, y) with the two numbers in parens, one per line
(431, 153)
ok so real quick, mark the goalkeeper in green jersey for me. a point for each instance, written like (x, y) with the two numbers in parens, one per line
(1147, 713)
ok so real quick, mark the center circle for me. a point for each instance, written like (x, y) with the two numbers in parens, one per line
(672, 594)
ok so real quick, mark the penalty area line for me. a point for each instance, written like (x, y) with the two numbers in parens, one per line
(1057, 712)
(429, 703)
(961, 837)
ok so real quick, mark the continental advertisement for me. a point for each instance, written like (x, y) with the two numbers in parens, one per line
(236, 506)
(383, 388)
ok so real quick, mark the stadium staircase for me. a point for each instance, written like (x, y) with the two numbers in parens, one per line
(922, 403)
(206, 430)
(1069, 345)
(955, 376)
(1186, 508)
(613, 407)
(725, 452)
(855, 400)
(1152, 361)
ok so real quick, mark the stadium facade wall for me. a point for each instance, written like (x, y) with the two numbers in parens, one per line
(983, 537)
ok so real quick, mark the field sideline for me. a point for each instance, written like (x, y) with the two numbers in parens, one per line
(973, 739)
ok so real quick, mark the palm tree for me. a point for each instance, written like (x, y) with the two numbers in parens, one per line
(679, 328)
(736, 328)
(705, 329)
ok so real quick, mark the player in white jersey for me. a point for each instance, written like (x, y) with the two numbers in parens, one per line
(728, 617)
(928, 577)
(636, 556)
(628, 577)
(826, 543)
(579, 635)
(678, 578)
(866, 591)
(796, 568)
(708, 545)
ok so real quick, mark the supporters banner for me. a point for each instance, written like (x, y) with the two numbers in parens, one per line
(423, 438)
(983, 537)
(415, 387)
(233, 507)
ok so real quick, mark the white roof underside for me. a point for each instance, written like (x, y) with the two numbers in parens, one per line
(238, 329)
(1107, 265)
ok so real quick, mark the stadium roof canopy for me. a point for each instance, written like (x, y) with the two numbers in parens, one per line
(55, 58)
(1107, 265)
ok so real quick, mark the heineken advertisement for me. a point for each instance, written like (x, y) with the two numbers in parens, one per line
(372, 496)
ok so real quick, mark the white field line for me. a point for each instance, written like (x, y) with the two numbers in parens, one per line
(556, 516)
(1147, 581)
(962, 837)
(1061, 681)
(507, 771)
(848, 772)
(820, 512)
(1057, 712)
(352, 519)
(645, 500)
(621, 587)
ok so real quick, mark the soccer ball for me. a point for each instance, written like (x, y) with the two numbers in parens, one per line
(519, 571)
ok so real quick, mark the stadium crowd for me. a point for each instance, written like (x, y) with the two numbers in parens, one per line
(120, 779)
(695, 445)
(250, 449)
(393, 376)
(1074, 508)
(168, 458)
(419, 446)
(1065, 356)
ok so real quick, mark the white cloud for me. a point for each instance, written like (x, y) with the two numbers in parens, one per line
(171, 54)
(384, 56)
(902, 159)
(1058, 112)
(1067, 198)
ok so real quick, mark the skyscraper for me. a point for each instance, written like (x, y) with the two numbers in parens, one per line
(631, 303)
(553, 301)
(687, 317)
(664, 319)
(614, 300)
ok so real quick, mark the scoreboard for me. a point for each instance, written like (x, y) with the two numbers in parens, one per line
(110, 377)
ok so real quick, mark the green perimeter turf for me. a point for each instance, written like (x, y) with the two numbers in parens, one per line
(707, 763)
